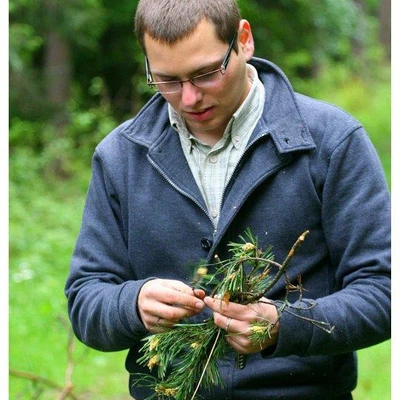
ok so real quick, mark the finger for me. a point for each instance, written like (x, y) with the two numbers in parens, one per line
(182, 287)
(199, 293)
(151, 311)
(241, 345)
(172, 313)
(164, 323)
(160, 325)
(165, 316)
(250, 312)
(239, 341)
(229, 309)
(177, 293)
(230, 325)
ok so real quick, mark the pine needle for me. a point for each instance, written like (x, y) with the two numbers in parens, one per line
(205, 367)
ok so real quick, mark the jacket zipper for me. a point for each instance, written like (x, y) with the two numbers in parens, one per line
(223, 193)
(236, 167)
(240, 359)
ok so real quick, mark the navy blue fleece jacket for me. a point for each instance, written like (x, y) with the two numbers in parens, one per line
(308, 166)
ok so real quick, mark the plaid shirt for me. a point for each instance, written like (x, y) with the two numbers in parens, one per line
(213, 167)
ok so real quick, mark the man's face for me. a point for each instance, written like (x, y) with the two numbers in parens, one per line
(206, 111)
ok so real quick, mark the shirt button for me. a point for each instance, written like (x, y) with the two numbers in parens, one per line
(206, 244)
(214, 213)
(213, 159)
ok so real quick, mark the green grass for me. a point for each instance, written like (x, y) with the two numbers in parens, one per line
(374, 373)
(45, 217)
(44, 222)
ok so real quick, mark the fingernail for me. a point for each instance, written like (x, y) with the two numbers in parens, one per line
(200, 305)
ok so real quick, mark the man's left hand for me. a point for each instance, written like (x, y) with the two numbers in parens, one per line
(237, 320)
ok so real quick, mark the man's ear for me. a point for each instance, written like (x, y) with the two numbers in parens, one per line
(246, 41)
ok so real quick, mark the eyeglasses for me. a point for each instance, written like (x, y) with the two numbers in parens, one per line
(207, 80)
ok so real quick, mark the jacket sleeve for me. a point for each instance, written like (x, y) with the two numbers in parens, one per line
(101, 286)
(356, 225)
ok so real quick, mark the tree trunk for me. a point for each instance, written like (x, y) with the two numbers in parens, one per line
(358, 45)
(385, 25)
(58, 77)
(57, 70)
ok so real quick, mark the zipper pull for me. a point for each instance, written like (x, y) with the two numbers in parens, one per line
(240, 360)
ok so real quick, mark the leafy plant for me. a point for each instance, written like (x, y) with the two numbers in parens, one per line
(186, 356)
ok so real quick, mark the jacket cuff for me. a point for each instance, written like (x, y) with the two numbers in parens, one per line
(295, 333)
(128, 309)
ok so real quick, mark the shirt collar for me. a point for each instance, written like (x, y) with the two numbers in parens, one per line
(246, 115)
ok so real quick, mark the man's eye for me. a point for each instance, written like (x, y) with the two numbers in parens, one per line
(164, 79)
(170, 80)
(206, 77)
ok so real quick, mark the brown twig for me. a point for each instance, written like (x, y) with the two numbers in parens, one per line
(68, 386)
(282, 268)
(39, 379)
(64, 391)
(290, 255)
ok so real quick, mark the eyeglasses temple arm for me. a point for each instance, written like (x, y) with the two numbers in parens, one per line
(225, 61)
(148, 73)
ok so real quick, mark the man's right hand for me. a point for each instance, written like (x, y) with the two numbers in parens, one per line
(162, 303)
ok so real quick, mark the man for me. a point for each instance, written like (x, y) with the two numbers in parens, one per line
(226, 144)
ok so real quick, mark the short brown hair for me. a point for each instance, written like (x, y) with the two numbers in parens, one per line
(172, 20)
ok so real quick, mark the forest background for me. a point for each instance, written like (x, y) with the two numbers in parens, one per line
(75, 73)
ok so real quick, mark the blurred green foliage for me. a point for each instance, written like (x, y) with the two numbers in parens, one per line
(328, 48)
(108, 83)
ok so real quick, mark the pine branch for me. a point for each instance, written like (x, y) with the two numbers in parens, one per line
(186, 357)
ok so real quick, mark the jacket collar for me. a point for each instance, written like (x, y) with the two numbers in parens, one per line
(281, 118)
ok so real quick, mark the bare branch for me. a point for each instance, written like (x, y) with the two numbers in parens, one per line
(40, 380)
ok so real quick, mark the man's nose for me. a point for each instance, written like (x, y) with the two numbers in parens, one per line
(191, 94)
